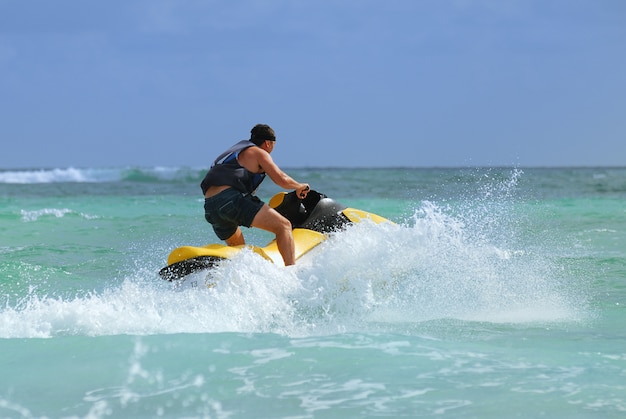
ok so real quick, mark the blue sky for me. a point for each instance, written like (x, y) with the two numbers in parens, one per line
(353, 83)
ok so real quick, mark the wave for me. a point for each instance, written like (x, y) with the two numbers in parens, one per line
(401, 278)
(102, 175)
(457, 262)
(34, 215)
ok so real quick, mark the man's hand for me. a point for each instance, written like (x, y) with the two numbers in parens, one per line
(302, 190)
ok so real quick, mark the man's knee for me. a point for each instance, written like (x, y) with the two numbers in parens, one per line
(236, 239)
(281, 224)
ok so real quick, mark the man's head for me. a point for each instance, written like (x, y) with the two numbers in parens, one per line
(260, 133)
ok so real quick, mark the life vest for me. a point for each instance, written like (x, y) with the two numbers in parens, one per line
(226, 170)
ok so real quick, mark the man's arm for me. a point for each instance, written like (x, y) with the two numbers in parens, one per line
(267, 165)
(281, 178)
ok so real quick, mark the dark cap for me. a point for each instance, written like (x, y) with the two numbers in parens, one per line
(262, 132)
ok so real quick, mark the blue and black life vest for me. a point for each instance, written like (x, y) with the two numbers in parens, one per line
(226, 170)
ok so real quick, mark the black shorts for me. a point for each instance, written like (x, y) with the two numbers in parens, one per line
(230, 209)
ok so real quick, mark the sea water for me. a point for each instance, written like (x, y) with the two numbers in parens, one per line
(495, 292)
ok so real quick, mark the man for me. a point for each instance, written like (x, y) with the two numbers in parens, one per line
(229, 187)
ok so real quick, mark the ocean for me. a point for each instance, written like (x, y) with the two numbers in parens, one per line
(495, 292)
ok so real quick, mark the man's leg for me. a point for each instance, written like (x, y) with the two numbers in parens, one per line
(236, 239)
(270, 220)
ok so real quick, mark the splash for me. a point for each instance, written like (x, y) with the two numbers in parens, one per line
(464, 261)
(431, 271)
(253, 296)
(368, 278)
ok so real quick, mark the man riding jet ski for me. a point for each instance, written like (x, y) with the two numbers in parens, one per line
(311, 219)
(229, 186)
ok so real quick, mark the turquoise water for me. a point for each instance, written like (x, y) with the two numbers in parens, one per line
(497, 293)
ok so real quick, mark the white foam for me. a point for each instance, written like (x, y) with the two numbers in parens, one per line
(34, 215)
(80, 175)
(45, 176)
(364, 279)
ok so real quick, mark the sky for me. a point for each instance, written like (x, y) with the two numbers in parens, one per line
(344, 83)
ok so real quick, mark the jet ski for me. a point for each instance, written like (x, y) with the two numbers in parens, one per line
(312, 219)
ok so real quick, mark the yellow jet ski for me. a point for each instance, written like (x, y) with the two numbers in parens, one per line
(312, 218)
